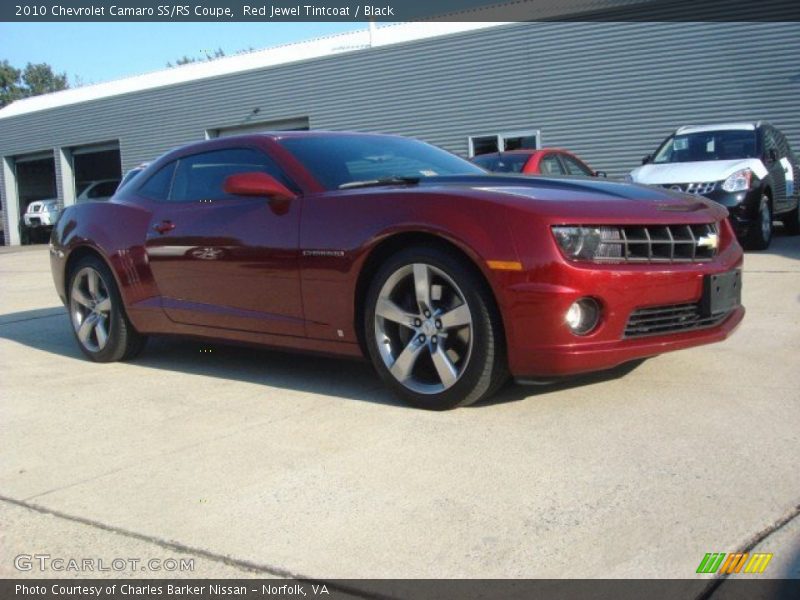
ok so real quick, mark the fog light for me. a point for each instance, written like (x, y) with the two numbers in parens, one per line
(583, 316)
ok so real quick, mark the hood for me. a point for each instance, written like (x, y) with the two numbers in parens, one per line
(573, 198)
(695, 172)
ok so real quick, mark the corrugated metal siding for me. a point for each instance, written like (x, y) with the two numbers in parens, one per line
(608, 91)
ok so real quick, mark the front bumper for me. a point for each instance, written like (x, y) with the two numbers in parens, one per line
(541, 346)
(42, 219)
(743, 208)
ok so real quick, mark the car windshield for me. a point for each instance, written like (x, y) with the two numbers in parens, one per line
(350, 160)
(723, 144)
(502, 163)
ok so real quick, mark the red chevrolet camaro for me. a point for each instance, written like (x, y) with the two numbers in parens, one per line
(447, 278)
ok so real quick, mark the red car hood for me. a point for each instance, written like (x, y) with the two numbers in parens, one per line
(581, 200)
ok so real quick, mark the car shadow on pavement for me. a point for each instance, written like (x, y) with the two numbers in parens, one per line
(514, 392)
(48, 330)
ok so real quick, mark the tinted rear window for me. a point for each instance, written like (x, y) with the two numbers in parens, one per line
(157, 187)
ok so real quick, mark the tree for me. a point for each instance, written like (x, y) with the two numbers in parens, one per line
(185, 60)
(10, 88)
(34, 80)
(40, 79)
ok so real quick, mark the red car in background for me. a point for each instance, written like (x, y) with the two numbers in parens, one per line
(546, 161)
(447, 278)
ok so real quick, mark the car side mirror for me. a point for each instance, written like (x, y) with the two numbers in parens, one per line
(256, 184)
(647, 159)
(600, 174)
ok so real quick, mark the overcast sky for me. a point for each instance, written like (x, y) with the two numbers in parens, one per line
(95, 52)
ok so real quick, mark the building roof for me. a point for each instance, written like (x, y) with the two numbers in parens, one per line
(319, 47)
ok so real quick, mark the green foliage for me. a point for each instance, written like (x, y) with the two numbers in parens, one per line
(185, 60)
(33, 80)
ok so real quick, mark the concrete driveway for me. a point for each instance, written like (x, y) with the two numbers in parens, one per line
(259, 463)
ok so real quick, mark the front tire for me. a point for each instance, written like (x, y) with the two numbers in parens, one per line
(433, 331)
(761, 235)
(98, 318)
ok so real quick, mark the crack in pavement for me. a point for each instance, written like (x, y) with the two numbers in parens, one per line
(50, 316)
(244, 565)
(754, 541)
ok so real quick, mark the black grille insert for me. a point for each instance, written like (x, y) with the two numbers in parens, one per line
(660, 243)
(673, 318)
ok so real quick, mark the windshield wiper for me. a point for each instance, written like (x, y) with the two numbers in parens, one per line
(381, 181)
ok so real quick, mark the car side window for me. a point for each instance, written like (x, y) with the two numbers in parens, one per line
(550, 165)
(157, 187)
(202, 176)
(574, 167)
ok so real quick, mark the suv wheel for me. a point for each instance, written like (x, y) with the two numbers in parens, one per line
(791, 222)
(761, 236)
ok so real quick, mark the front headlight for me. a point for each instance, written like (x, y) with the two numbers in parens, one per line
(589, 243)
(739, 181)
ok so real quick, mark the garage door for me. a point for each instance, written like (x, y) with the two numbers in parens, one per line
(97, 171)
(36, 180)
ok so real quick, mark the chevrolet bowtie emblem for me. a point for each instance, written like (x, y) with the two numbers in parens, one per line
(709, 241)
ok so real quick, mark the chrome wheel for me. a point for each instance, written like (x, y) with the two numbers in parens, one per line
(423, 328)
(90, 309)
(766, 219)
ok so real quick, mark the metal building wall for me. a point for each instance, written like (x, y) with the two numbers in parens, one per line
(608, 91)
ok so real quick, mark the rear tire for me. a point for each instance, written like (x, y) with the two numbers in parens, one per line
(791, 222)
(761, 235)
(97, 314)
(433, 331)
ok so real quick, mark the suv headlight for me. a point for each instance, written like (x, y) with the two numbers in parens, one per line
(739, 181)
(589, 243)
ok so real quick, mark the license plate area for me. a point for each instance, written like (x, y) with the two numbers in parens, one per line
(722, 292)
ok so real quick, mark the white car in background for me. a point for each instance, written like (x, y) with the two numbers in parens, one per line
(98, 191)
(41, 213)
(749, 168)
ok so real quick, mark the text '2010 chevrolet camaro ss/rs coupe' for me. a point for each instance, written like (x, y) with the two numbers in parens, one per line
(446, 277)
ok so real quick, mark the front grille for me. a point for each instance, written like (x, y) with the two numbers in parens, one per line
(700, 189)
(658, 243)
(673, 318)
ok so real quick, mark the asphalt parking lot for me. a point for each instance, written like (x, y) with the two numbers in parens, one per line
(261, 463)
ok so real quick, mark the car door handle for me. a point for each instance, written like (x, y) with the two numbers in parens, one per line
(164, 227)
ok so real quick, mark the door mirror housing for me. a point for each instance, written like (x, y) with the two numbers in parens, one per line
(647, 159)
(601, 174)
(256, 184)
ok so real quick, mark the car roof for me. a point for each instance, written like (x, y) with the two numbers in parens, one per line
(316, 133)
(722, 126)
(199, 146)
(528, 151)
